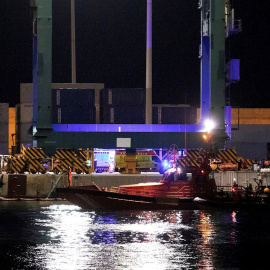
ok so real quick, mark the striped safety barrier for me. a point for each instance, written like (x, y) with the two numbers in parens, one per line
(33, 159)
(230, 155)
(194, 157)
(69, 159)
(15, 164)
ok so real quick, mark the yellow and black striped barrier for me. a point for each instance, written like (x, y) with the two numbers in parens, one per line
(194, 157)
(33, 159)
(69, 159)
(15, 164)
(228, 155)
(28, 161)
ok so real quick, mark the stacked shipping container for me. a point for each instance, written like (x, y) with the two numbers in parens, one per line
(71, 103)
(24, 117)
(127, 106)
(11, 129)
(122, 106)
(174, 114)
(4, 116)
(73, 106)
(93, 104)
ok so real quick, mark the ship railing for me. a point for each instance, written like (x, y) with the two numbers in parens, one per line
(137, 192)
(230, 191)
(230, 188)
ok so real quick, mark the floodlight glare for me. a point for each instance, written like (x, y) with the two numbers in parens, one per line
(209, 125)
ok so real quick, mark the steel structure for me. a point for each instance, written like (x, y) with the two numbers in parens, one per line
(49, 137)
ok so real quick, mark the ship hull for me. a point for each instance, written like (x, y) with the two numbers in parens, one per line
(94, 199)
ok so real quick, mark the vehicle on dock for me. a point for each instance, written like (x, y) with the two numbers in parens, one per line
(146, 161)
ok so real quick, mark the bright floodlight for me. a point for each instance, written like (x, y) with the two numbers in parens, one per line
(209, 125)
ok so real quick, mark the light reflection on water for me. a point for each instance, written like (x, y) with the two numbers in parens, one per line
(62, 236)
(79, 240)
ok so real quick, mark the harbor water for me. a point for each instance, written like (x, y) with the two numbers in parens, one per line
(58, 235)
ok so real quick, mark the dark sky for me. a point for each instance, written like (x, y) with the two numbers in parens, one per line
(110, 44)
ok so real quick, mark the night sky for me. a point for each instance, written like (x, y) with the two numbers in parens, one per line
(111, 48)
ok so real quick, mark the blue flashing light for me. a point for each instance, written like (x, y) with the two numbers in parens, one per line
(166, 164)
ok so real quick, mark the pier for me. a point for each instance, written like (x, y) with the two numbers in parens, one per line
(41, 185)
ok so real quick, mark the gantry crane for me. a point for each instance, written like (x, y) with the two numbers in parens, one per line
(213, 84)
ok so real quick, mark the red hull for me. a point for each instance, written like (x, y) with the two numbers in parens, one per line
(92, 199)
(175, 191)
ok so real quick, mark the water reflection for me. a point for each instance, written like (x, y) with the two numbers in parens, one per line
(78, 240)
(67, 232)
(204, 247)
(234, 229)
(234, 217)
(65, 237)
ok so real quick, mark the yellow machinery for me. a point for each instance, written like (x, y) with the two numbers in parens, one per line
(131, 164)
(146, 161)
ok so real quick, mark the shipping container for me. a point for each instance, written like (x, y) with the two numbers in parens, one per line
(73, 97)
(11, 126)
(26, 90)
(73, 115)
(4, 112)
(26, 93)
(24, 112)
(4, 148)
(3, 132)
(174, 114)
(122, 96)
(122, 115)
(24, 133)
(96, 86)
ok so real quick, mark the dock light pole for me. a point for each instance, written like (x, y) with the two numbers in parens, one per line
(148, 84)
(73, 45)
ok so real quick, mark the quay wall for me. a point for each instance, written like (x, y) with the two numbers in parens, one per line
(40, 185)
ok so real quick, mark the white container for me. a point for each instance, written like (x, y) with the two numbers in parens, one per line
(3, 132)
(26, 93)
(23, 133)
(4, 148)
(4, 107)
(25, 114)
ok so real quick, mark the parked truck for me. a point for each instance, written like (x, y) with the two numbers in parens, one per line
(146, 161)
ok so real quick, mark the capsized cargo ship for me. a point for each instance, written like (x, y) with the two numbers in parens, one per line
(178, 189)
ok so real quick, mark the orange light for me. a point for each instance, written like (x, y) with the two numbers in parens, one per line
(205, 137)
